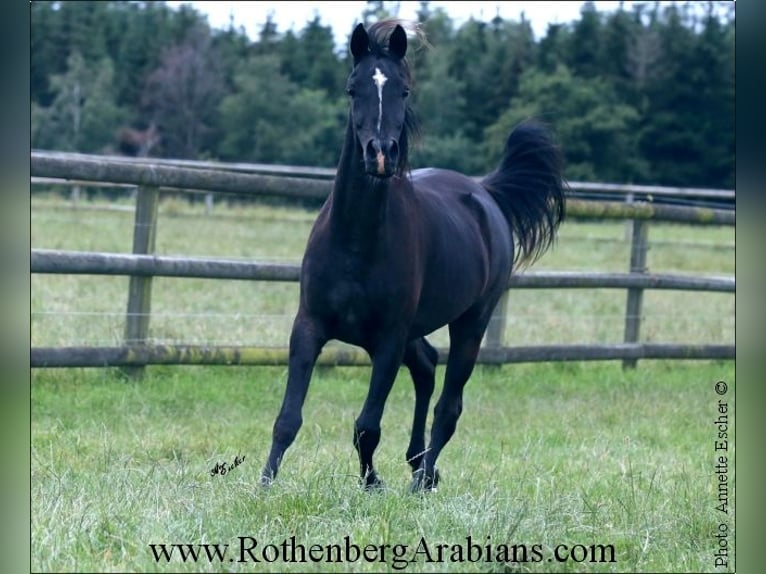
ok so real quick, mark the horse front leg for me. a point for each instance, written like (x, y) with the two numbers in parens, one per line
(386, 360)
(306, 342)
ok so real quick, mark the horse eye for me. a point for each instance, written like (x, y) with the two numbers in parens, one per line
(350, 92)
(406, 92)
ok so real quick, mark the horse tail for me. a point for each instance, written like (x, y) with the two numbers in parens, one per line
(529, 188)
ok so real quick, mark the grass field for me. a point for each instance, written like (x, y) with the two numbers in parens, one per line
(544, 455)
(619, 466)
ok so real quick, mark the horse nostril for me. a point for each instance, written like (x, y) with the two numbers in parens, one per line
(372, 150)
(393, 149)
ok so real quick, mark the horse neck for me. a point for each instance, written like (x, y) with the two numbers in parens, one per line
(359, 200)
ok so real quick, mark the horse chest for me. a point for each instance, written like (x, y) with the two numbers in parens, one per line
(349, 295)
(339, 293)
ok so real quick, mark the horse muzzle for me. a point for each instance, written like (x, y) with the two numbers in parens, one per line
(381, 157)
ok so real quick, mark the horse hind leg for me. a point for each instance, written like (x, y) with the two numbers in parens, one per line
(420, 358)
(465, 340)
(385, 365)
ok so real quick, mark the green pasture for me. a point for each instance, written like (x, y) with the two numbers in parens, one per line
(545, 454)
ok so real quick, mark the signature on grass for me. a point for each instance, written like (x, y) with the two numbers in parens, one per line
(222, 467)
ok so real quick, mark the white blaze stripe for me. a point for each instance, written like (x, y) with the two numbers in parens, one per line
(379, 78)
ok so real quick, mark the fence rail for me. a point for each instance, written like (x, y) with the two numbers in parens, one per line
(151, 175)
(137, 356)
(93, 263)
(93, 168)
(329, 173)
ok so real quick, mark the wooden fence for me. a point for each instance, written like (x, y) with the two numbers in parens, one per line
(151, 175)
(617, 191)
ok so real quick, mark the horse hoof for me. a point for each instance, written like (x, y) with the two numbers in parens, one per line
(266, 479)
(422, 482)
(372, 483)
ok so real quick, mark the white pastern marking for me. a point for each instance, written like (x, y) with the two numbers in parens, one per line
(379, 78)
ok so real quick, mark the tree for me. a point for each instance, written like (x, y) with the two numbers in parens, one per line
(309, 59)
(437, 29)
(643, 53)
(45, 51)
(260, 94)
(618, 36)
(512, 50)
(439, 104)
(183, 94)
(317, 139)
(83, 114)
(552, 48)
(230, 48)
(468, 65)
(596, 131)
(585, 46)
(140, 46)
(669, 136)
(269, 119)
(268, 37)
(438, 99)
(713, 79)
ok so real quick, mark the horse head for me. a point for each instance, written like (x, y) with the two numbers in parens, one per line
(379, 87)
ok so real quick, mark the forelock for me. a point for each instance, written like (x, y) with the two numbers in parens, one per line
(380, 32)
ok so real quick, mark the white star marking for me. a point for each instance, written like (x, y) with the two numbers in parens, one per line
(379, 78)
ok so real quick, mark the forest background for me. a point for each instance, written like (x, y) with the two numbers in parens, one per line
(641, 95)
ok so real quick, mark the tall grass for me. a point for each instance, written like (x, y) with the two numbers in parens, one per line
(544, 455)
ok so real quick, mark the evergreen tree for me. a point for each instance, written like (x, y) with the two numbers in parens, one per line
(552, 48)
(714, 83)
(309, 59)
(584, 51)
(141, 46)
(440, 108)
(670, 139)
(469, 57)
(597, 132)
(618, 34)
(268, 37)
(47, 52)
(514, 51)
(83, 25)
(643, 53)
(230, 48)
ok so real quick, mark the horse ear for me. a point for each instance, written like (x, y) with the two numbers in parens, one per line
(360, 42)
(397, 43)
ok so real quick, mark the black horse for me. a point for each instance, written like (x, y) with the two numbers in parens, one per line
(395, 255)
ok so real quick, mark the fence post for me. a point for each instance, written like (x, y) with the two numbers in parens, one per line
(638, 248)
(75, 196)
(140, 288)
(629, 198)
(495, 338)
